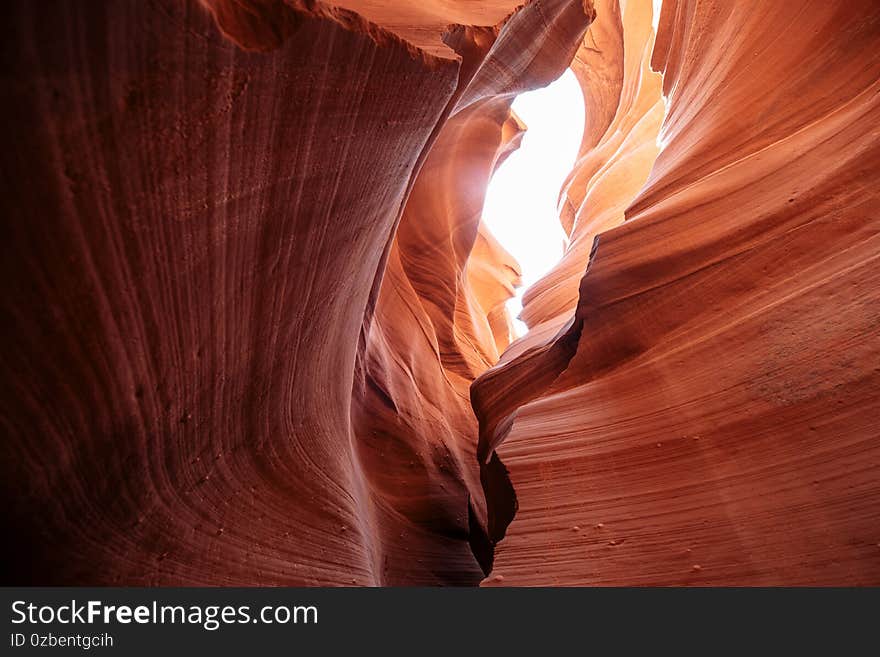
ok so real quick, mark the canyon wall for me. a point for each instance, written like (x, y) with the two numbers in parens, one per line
(240, 316)
(254, 327)
(705, 410)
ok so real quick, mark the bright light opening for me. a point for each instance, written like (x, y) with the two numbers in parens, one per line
(520, 207)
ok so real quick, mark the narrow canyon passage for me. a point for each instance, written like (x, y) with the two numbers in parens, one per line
(257, 324)
(520, 209)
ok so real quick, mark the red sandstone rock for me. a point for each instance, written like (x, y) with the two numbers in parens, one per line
(225, 361)
(732, 320)
(246, 293)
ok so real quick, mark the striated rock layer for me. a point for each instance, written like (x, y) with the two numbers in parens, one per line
(704, 410)
(255, 333)
(225, 361)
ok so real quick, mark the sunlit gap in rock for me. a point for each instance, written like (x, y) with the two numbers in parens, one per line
(521, 200)
(657, 7)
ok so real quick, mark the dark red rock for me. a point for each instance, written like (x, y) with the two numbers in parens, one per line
(198, 223)
(254, 328)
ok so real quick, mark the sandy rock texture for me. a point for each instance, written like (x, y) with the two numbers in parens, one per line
(254, 327)
(706, 413)
(239, 312)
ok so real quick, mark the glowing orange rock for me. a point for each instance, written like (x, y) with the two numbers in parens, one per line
(731, 318)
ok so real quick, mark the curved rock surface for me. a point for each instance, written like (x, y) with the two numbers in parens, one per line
(706, 412)
(255, 329)
(226, 361)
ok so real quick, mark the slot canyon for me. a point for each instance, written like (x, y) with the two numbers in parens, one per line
(255, 329)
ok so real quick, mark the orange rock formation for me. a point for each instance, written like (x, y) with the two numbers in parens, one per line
(706, 413)
(255, 329)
